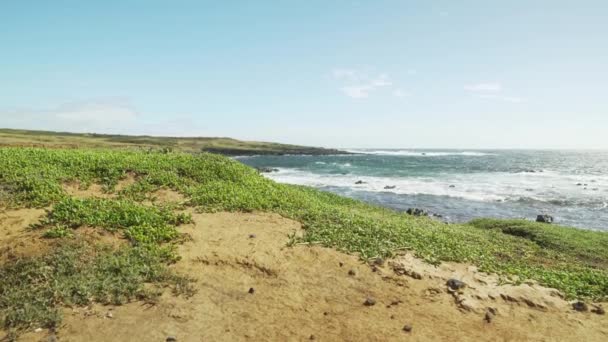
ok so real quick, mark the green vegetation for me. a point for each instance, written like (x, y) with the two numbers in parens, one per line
(571, 260)
(227, 146)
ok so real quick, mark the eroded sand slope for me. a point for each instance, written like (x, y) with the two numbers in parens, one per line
(313, 293)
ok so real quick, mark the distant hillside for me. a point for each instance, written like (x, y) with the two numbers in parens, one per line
(226, 146)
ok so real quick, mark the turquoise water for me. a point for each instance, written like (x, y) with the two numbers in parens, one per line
(460, 185)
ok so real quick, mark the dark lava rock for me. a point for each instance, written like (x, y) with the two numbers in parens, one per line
(544, 218)
(352, 273)
(580, 306)
(251, 290)
(417, 212)
(389, 187)
(369, 302)
(359, 182)
(407, 328)
(267, 169)
(598, 310)
(455, 284)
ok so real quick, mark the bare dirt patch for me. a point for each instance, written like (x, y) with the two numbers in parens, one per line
(165, 195)
(75, 189)
(16, 240)
(252, 287)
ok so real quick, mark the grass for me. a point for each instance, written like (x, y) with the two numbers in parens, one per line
(572, 260)
(14, 137)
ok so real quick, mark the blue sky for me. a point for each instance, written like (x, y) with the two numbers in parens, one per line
(460, 74)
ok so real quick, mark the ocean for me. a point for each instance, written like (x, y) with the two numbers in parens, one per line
(461, 185)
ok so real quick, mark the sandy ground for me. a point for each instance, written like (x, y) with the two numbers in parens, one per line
(252, 287)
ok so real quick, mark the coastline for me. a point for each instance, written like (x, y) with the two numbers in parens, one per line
(210, 225)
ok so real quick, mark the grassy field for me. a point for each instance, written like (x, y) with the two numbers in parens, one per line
(226, 146)
(76, 272)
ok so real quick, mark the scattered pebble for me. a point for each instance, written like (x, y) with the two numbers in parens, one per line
(598, 310)
(171, 339)
(251, 290)
(407, 328)
(352, 273)
(580, 306)
(38, 330)
(325, 313)
(252, 236)
(52, 338)
(312, 337)
(369, 302)
(392, 316)
(341, 263)
(379, 261)
(109, 315)
(455, 284)
(489, 316)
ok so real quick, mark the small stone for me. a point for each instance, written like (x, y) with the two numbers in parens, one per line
(109, 315)
(489, 317)
(392, 316)
(38, 330)
(341, 263)
(312, 337)
(452, 186)
(407, 328)
(171, 339)
(379, 261)
(369, 302)
(252, 236)
(251, 290)
(352, 273)
(598, 310)
(580, 306)
(455, 284)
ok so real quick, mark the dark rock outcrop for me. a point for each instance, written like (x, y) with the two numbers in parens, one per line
(417, 212)
(266, 169)
(544, 218)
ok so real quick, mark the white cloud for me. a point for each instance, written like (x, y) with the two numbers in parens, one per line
(400, 93)
(357, 92)
(105, 115)
(358, 84)
(484, 87)
(491, 91)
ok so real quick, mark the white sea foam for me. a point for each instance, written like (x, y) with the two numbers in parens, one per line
(414, 153)
(487, 187)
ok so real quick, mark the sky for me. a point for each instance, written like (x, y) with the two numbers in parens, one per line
(392, 74)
